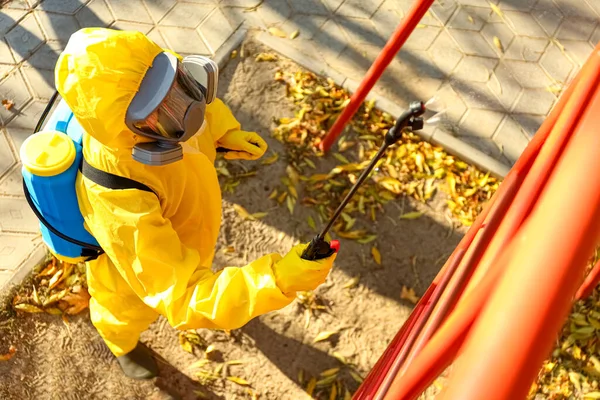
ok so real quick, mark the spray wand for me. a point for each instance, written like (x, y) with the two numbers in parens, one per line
(411, 119)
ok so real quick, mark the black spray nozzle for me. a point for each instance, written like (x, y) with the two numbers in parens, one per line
(408, 119)
(417, 108)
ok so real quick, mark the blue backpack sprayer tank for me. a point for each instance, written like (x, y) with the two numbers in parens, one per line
(51, 160)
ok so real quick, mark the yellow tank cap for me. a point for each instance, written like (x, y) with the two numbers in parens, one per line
(48, 153)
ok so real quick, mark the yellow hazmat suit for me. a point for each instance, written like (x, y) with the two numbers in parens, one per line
(159, 247)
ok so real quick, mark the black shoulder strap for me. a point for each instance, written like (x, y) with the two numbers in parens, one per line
(110, 181)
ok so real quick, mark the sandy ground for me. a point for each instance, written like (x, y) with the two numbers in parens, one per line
(55, 360)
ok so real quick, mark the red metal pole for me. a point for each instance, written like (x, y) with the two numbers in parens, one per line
(393, 45)
(385, 366)
(519, 171)
(380, 370)
(518, 326)
(590, 282)
(561, 121)
(440, 351)
(491, 233)
(415, 329)
(422, 370)
(466, 269)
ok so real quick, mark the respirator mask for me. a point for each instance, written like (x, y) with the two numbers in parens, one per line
(169, 106)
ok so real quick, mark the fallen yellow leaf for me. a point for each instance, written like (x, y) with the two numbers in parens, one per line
(341, 158)
(326, 381)
(28, 308)
(310, 388)
(291, 203)
(275, 31)
(556, 88)
(185, 344)
(242, 212)
(376, 255)
(270, 160)
(35, 297)
(266, 57)
(319, 177)
(497, 10)
(50, 269)
(200, 394)
(356, 376)
(324, 336)
(209, 351)
(293, 191)
(352, 282)
(54, 297)
(294, 34)
(329, 372)
(282, 197)
(309, 162)
(11, 352)
(258, 215)
(367, 239)
(409, 294)
(333, 394)
(391, 184)
(199, 364)
(56, 278)
(411, 215)
(498, 44)
(238, 380)
(358, 234)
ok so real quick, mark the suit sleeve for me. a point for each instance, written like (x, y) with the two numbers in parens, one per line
(166, 274)
(220, 120)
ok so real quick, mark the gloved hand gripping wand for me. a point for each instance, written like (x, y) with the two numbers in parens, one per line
(318, 247)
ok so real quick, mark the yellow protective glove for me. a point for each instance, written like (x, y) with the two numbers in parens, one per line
(242, 145)
(294, 274)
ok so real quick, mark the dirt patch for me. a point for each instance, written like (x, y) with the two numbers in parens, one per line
(68, 360)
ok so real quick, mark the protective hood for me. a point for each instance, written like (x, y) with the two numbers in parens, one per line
(98, 74)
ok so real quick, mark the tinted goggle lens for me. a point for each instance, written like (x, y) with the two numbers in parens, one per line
(169, 119)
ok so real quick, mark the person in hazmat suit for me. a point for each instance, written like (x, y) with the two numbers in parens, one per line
(138, 104)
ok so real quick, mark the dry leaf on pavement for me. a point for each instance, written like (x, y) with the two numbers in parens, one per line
(498, 44)
(409, 294)
(376, 255)
(238, 380)
(352, 282)
(76, 302)
(11, 352)
(266, 57)
(277, 32)
(8, 104)
(29, 308)
(324, 336)
(411, 215)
